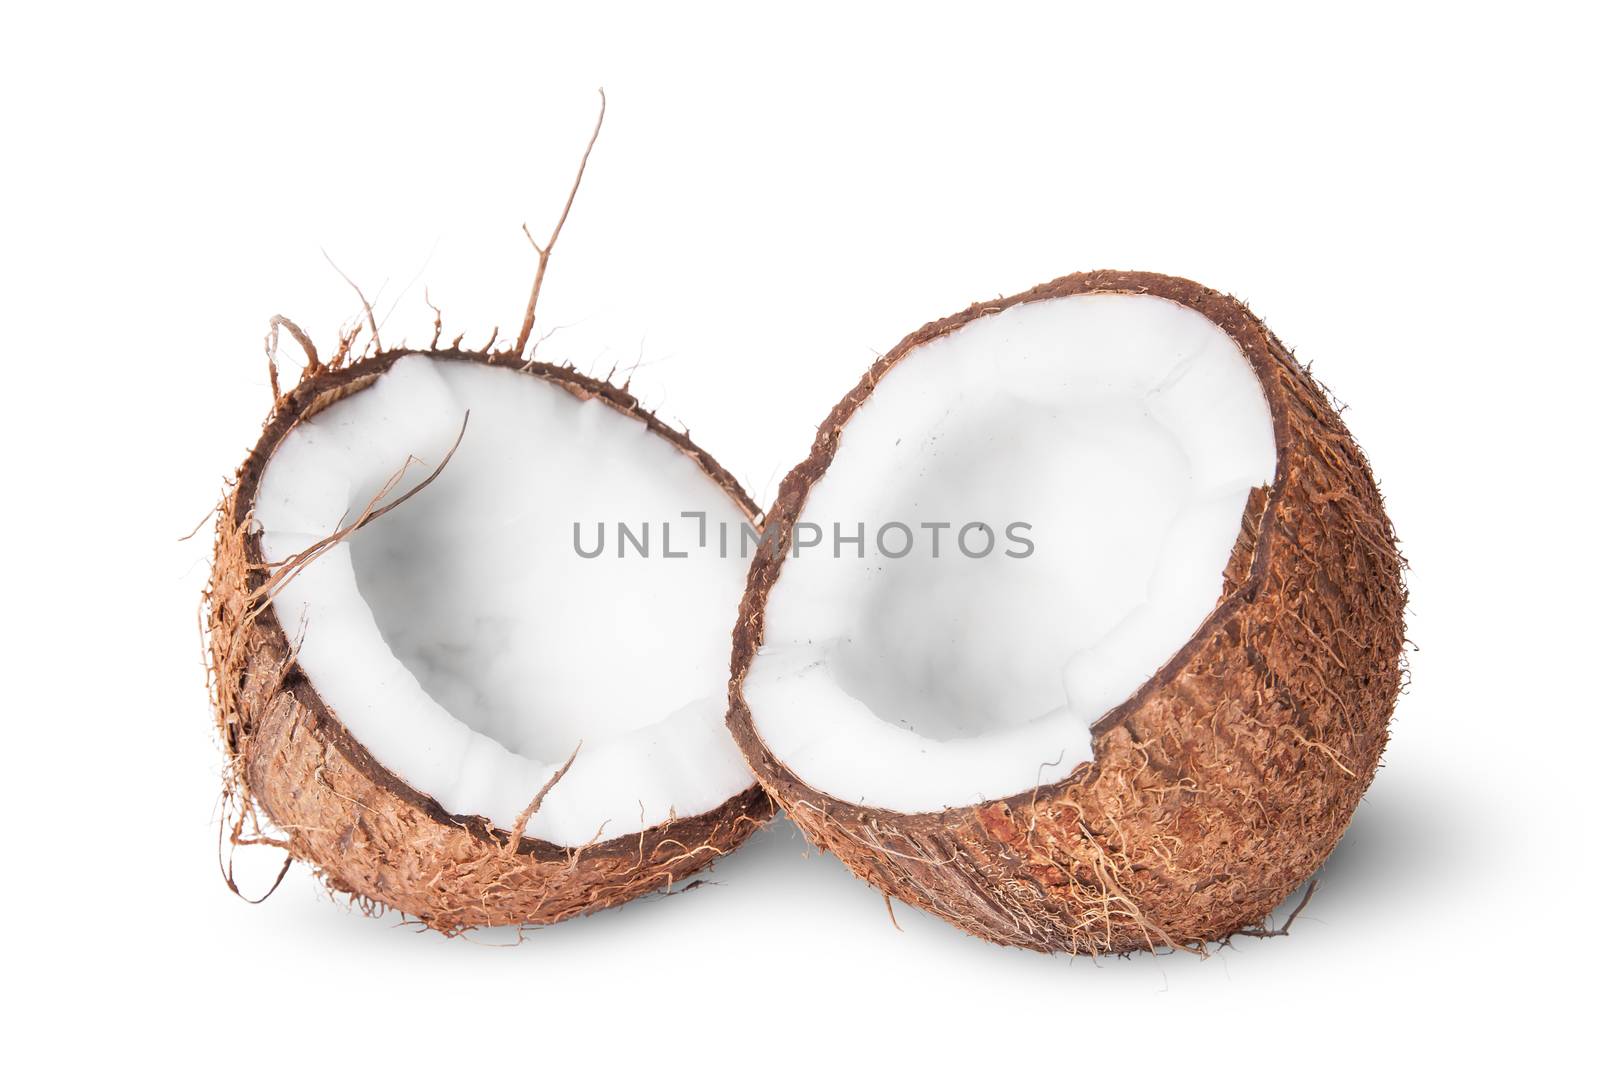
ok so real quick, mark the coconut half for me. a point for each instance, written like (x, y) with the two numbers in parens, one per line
(448, 709)
(1081, 625)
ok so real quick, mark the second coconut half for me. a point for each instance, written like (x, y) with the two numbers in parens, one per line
(1081, 625)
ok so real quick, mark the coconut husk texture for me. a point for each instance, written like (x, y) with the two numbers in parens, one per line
(1223, 783)
(297, 780)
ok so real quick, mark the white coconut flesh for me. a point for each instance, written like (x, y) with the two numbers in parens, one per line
(462, 639)
(1126, 431)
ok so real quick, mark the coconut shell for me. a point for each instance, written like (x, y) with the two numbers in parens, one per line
(362, 828)
(1219, 786)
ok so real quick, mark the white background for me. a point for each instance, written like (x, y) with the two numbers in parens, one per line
(1405, 195)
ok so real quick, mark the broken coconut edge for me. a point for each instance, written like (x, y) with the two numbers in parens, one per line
(1227, 778)
(363, 830)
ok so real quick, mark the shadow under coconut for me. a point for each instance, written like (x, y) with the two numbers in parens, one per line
(1407, 835)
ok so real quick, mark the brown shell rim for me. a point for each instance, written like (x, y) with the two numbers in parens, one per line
(796, 487)
(321, 387)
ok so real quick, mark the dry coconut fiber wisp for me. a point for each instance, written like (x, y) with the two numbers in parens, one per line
(1145, 734)
(416, 680)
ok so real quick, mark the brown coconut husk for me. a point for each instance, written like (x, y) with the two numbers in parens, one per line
(1223, 783)
(331, 805)
(298, 781)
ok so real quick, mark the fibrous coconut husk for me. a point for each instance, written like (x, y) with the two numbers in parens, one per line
(1224, 782)
(335, 808)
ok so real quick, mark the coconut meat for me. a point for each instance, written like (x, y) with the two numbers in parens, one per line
(460, 637)
(1125, 433)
